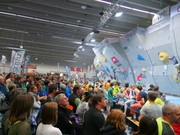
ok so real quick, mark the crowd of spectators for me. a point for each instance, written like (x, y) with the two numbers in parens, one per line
(53, 104)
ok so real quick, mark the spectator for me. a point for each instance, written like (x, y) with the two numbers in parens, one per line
(5, 108)
(49, 119)
(53, 91)
(64, 123)
(17, 123)
(140, 101)
(9, 81)
(176, 125)
(68, 90)
(151, 87)
(170, 116)
(148, 126)
(115, 123)
(94, 119)
(154, 110)
(2, 86)
(74, 98)
(82, 108)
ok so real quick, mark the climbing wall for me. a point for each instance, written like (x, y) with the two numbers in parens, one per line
(110, 59)
(152, 51)
(133, 46)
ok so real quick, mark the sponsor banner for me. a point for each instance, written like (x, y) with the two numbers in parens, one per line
(175, 9)
(32, 66)
(12, 59)
(26, 64)
(16, 61)
(3, 60)
(76, 69)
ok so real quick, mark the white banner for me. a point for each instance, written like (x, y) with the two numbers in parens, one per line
(12, 59)
(26, 64)
(3, 60)
(16, 61)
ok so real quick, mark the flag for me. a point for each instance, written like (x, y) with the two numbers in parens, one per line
(26, 64)
(3, 60)
(68, 71)
(16, 61)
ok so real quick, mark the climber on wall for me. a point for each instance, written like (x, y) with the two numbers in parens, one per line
(178, 71)
(138, 80)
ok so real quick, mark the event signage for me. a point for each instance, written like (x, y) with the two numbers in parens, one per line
(16, 61)
(3, 60)
(26, 64)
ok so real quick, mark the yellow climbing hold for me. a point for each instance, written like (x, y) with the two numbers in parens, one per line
(104, 59)
(97, 64)
(164, 56)
(143, 69)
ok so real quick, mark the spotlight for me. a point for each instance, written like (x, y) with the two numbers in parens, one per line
(118, 14)
(93, 40)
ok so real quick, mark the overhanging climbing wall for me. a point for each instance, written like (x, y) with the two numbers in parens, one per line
(153, 52)
(112, 62)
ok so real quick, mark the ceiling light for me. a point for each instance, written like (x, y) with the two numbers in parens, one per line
(78, 21)
(83, 49)
(93, 40)
(70, 61)
(55, 22)
(118, 14)
(135, 9)
(91, 33)
(36, 58)
(83, 7)
(21, 47)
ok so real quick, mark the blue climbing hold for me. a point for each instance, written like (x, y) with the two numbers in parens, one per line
(139, 57)
(108, 70)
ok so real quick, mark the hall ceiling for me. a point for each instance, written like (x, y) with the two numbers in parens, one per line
(52, 30)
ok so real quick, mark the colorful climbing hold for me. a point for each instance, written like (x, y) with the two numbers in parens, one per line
(104, 59)
(122, 69)
(97, 64)
(114, 59)
(107, 69)
(164, 56)
(143, 69)
(139, 57)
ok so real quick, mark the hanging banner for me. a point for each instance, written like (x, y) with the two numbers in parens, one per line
(3, 60)
(92, 68)
(68, 71)
(12, 59)
(26, 64)
(16, 61)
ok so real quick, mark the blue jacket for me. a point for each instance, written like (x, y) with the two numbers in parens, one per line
(67, 92)
(3, 89)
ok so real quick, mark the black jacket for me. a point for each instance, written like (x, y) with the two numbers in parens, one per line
(65, 123)
(110, 129)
